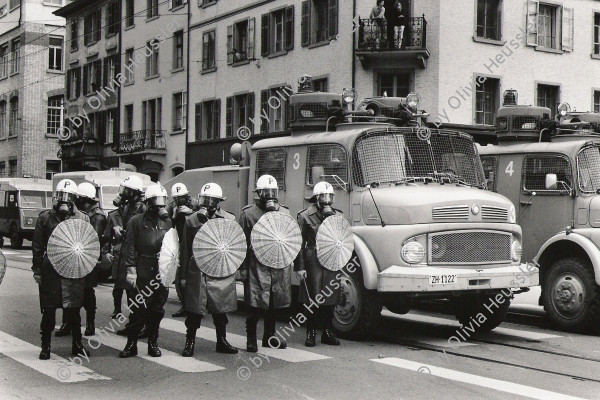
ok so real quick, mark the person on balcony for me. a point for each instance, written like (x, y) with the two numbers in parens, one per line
(378, 16)
(399, 22)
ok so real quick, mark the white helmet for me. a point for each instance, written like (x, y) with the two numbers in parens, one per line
(266, 182)
(87, 190)
(157, 192)
(210, 195)
(66, 191)
(133, 182)
(179, 189)
(323, 188)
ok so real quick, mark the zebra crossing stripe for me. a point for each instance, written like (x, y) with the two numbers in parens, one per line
(290, 354)
(56, 367)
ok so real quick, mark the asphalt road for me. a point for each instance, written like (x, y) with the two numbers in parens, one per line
(409, 357)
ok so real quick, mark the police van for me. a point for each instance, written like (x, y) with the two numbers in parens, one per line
(424, 226)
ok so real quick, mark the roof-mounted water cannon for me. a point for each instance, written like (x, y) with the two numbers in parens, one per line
(305, 84)
(510, 97)
(515, 122)
(401, 111)
(573, 125)
(239, 154)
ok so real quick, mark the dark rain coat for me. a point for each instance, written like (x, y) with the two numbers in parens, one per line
(203, 293)
(177, 218)
(55, 291)
(112, 244)
(130, 211)
(318, 278)
(98, 221)
(141, 247)
(264, 284)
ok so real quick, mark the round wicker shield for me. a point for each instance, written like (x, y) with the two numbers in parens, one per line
(219, 247)
(276, 239)
(2, 266)
(73, 248)
(335, 243)
(168, 258)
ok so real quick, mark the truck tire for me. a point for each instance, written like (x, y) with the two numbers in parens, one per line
(571, 296)
(359, 310)
(472, 309)
(16, 239)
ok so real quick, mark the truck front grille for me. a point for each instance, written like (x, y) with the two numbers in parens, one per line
(492, 213)
(451, 212)
(469, 247)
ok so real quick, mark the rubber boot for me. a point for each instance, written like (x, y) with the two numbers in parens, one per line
(64, 330)
(190, 342)
(310, 332)
(90, 326)
(328, 337)
(251, 344)
(46, 339)
(130, 349)
(269, 339)
(223, 345)
(144, 333)
(77, 347)
(153, 350)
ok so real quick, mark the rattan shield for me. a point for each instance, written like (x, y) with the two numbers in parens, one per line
(2, 266)
(220, 247)
(335, 243)
(73, 248)
(168, 258)
(276, 239)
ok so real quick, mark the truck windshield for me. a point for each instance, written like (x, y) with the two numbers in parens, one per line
(108, 195)
(32, 199)
(588, 169)
(400, 156)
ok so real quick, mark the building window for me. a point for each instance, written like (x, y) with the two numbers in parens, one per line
(128, 118)
(112, 125)
(487, 98)
(548, 96)
(13, 4)
(208, 116)
(152, 59)
(12, 168)
(277, 31)
(113, 18)
(597, 101)
(52, 167)
(92, 27)
(111, 69)
(240, 111)
(152, 9)
(75, 35)
(547, 26)
(73, 83)
(129, 13)
(55, 54)
(319, 21)
(175, 4)
(3, 119)
(53, 120)
(208, 50)
(321, 85)
(550, 26)
(274, 106)
(129, 72)
(13, 117)
(178, 50)
(16, 56)
(4, 62)
(152, 114)
(179, 111)
(92, 77)
(489, 19)
(393, 85)
(597, 34)
(240, 41)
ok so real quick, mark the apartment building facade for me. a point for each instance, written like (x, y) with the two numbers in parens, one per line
(31, 87)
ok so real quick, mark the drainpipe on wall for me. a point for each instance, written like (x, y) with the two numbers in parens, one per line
(120, 50)
(353, 52)
(189, 97)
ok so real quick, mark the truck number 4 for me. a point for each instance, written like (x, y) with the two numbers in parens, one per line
(510, 169)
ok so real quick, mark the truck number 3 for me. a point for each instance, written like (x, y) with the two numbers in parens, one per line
(510, 169)
(296, 161)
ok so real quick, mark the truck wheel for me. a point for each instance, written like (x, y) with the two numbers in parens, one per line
(358, 310)
(16, 240)
(484, 312)
(571, 296)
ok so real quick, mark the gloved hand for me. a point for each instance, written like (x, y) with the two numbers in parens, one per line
(185, 210)
(301, 274)
(182, 283)
(243, 275)
(37, 278)
(118, 232)
(110, 257)
(131, 277)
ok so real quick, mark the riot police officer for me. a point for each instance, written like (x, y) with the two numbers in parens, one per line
(314, 278)
(56, 291)
(203, 293)
(113, 237)
(143, 240)
(179, 209)
(265, 289)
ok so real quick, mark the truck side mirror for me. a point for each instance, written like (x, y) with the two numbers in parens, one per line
(317, 173)
(551, 182)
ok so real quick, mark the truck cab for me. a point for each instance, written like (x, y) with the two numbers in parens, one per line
(21, 202)
(424, 226)
(550, 168)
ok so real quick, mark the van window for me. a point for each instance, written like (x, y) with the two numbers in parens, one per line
(32, 199)
(490, 165)
(332, 158)
(11, 199)
(537, 166)
(588, 169)
(271, 162)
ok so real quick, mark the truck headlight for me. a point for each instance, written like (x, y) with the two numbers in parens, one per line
(29, 221)
(512, 214)
(412, 252)
(516, 251)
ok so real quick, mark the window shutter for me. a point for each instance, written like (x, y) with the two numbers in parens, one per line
(264, 35)
(98, 74)
(69, 84)
(105, 70)
(533, 9)
(170, 4)
(305, 25)
(250, 50)
(333, 19)
(85, 79)
(568, 15)
(184, 110)
(78, 82)
(229, 117)
(264, 111)
(218, 119)
(286, 104)
(230, 44)
(250, 112)
(289, 28)
(198, 123)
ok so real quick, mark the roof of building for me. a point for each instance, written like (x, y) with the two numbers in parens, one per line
(76, 6)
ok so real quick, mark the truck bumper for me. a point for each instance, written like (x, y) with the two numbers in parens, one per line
(417, 279)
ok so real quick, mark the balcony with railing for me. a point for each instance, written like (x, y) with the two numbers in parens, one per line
(382, 43)
(137, 146)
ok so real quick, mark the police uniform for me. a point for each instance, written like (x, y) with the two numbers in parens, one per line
(112, 245)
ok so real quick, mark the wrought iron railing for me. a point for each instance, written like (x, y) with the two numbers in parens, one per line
(80, 149)
(378, 35)
(145, 139)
